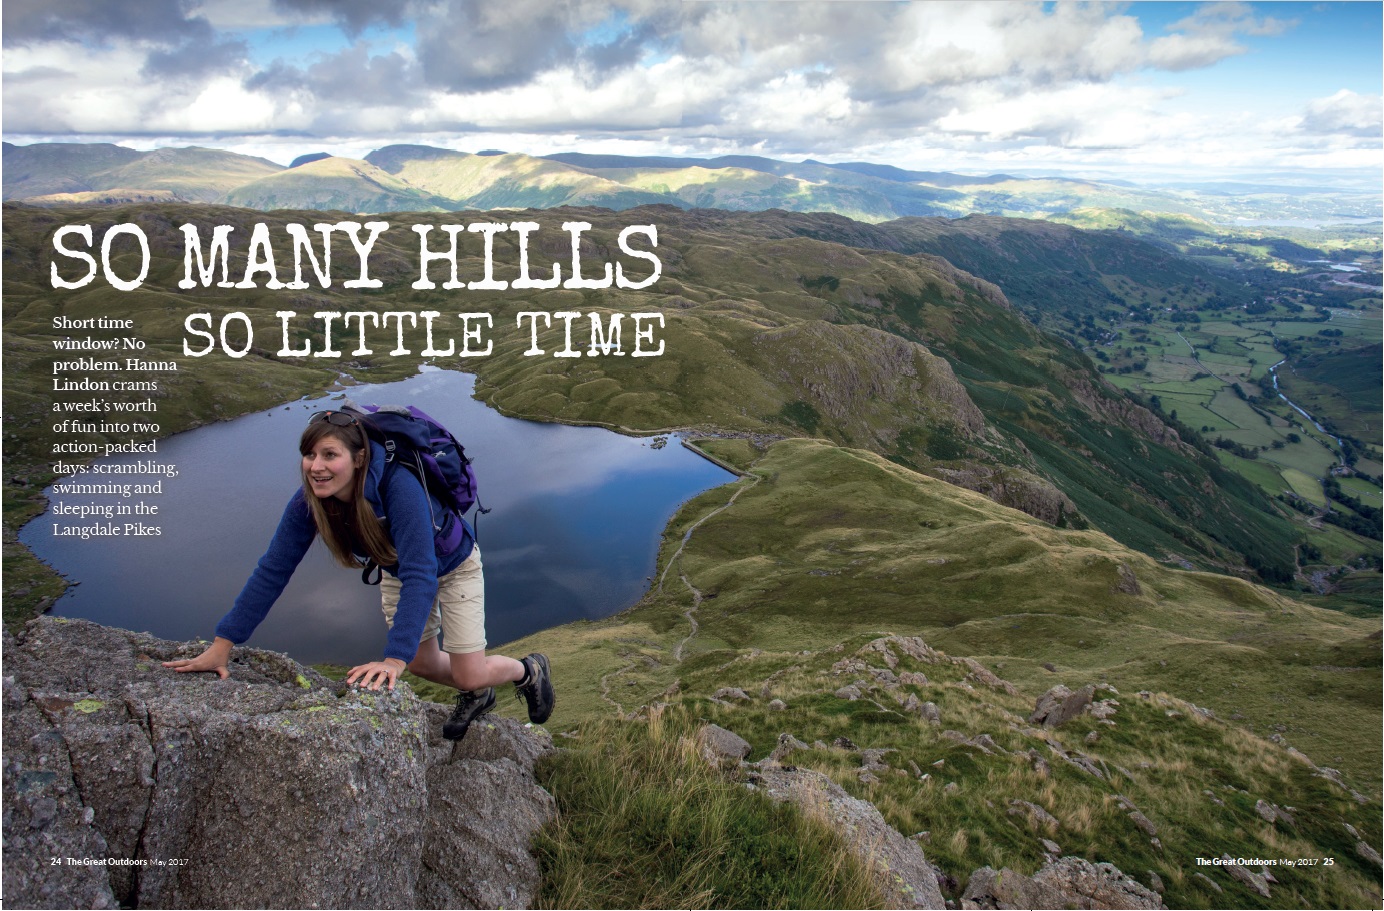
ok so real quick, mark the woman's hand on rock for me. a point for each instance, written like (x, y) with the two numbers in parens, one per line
(374, 673)
(214, 658)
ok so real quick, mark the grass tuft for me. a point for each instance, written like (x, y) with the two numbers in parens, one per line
(644, 822)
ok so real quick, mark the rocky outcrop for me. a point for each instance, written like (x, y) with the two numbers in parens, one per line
(1072, 882)
(1115, 408)
(1013, 487)
(869, 383)
(275, 788)
(900, 870)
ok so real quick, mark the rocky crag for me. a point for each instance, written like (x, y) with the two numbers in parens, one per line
(126, 785)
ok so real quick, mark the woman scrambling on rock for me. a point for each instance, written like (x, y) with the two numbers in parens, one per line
(365, 515)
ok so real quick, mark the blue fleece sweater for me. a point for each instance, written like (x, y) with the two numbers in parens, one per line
(406, 505)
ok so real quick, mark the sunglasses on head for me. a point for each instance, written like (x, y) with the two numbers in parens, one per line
(339, 418)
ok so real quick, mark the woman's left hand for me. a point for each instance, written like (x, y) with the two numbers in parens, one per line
(374, 673)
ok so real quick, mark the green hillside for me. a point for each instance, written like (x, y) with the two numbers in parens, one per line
(504, 181)
(195, 174)
(1193, 338)
(59, 167)
(341, 184)
(777, 586)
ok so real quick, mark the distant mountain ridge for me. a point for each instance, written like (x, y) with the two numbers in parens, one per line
(427, 178)
(192, 174)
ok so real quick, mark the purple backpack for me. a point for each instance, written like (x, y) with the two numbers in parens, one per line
(427, 449)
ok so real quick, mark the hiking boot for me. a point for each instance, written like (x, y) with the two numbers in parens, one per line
(470, 706)
(538, 692)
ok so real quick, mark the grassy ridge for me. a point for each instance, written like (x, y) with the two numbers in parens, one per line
(825, 542)
(825, 549)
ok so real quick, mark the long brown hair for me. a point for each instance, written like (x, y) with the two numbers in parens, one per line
(335, 519)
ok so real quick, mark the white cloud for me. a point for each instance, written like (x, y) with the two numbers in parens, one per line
(255, 14)
(929, 81)
(1089, 114)
(74, 89)
(1345, 113)
(222, 105)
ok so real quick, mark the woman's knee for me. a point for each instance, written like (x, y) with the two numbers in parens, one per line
(469, 671)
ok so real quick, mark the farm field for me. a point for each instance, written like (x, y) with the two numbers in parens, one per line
(1358, 488)
(1222, 376)
(1304, 485)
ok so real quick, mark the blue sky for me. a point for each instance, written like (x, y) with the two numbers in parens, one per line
(1328, 47)
(1139, 90)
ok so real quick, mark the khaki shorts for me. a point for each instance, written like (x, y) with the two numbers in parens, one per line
(458, 611)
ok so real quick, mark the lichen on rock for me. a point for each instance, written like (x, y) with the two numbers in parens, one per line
(275, 794)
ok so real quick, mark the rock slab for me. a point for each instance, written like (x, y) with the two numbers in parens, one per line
(1072, 882)
(902, 872)
(275, 788)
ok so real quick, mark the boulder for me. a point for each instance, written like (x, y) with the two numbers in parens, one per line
(1144, 823)
(491, 738)
(787, 744)
(1059, 705)
(279, 787)
(985, 743)
(1209, 882)
(719, 746)
(912, 646)
(1040, 765)
(1272, 812)
(848, 666)
(45, 817)
(1038, 818)
(884, 677)
(1126, 583)
(1105, 708)
(881, 648)
(1256, 882)
(915, 648)
(1071, 882)
(1079, 760)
